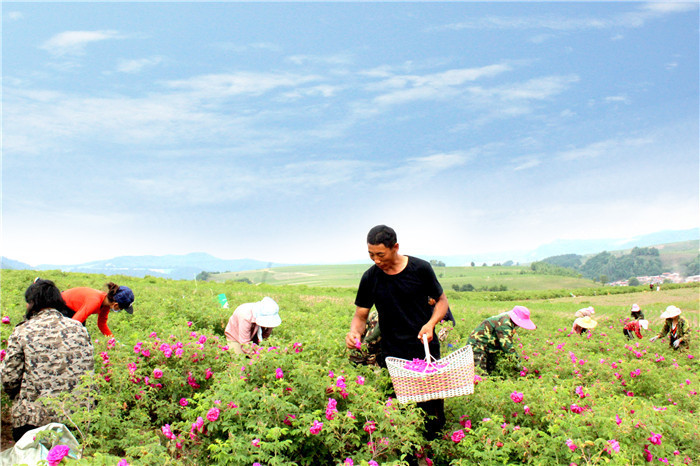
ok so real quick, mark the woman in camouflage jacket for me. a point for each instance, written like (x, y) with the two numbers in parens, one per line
(47, 354)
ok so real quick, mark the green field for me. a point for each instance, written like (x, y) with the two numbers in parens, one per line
(576, 388)
(514, 277)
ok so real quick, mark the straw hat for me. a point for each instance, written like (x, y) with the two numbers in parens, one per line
(670, 312)
(635, 308)
(520, 315)
(585, 322)
(586, 311)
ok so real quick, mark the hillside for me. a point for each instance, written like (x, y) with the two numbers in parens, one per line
(513, 278)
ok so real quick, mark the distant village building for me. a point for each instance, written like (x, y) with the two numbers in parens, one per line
(667, 277)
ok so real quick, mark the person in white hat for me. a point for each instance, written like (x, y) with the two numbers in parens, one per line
(636, 312)
(493, 337)
(583, 324)
(251, 323)
(676, 327)
(635, 327)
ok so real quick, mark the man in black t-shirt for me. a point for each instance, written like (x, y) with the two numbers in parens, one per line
(399, 287)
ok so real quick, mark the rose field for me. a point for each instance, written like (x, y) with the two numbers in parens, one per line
(168, 390)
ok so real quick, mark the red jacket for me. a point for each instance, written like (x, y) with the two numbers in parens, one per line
(86, 301)
(634, 327)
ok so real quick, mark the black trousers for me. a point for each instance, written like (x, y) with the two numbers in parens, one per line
(435, 421)
(18, 432)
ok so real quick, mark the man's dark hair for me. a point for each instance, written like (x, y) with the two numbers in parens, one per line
(382, 234)
(43, 294)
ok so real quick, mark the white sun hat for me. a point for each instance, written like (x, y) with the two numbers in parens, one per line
(267, 313)
(670, 312)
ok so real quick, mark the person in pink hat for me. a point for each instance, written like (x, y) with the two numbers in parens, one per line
(493, 338)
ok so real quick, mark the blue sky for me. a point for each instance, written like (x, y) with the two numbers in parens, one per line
(283, 132)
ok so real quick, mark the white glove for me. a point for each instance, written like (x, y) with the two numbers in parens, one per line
(653, 339)
(676, 343)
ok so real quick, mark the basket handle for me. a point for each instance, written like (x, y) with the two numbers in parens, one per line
(427, 350)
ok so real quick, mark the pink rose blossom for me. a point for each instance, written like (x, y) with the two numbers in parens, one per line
(370, 426)
(279, 374)
(655, 438)
(157, 373)
(614, 446)
(348, 462)
(56, 454)
(360, 380)
(213, 414)
(168, 432)
(3, 353)
(123, 462)
(516, 396)
(331, 408)
(189, 324)
(457, 436)
(288, 419)
(316, 427)
(255, 442)
(183, 402)
(208, 374)
(570, 443)
(5, 319)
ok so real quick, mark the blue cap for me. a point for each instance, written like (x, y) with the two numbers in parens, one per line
(125, 298)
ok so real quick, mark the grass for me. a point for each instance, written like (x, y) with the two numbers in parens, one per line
(348, 275)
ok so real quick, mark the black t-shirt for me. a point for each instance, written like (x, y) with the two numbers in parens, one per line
(402, 304)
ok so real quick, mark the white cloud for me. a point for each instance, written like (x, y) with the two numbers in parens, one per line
(324, 90)
(255, 46)
(136, 65)
(74, 42)
(431, 86)
(226, 85)
(341, 59)
(597, 149)
(617, 98)
(421, 170)
(633, 19)
(534, 89)
(525, 163)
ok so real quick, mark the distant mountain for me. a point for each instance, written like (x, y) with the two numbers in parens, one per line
(187, 266)
(6, 263)
(178, 267)
(561, 247)
(583, 247)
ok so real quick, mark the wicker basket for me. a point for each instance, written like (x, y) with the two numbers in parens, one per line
(451, 376)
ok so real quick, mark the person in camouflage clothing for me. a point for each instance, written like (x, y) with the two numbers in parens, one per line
(494, 337)
(370, 350)
(47, 354)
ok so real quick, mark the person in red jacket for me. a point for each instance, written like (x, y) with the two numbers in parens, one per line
(635, 327)
(87, 301)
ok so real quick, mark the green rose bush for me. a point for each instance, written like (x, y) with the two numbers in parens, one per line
(169, 390)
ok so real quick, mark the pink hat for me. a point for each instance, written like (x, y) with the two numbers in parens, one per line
(520, 315)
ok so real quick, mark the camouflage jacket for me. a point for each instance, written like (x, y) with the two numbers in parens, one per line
(46, 355)
(493, 335)
(682, 331)
(371, 339)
